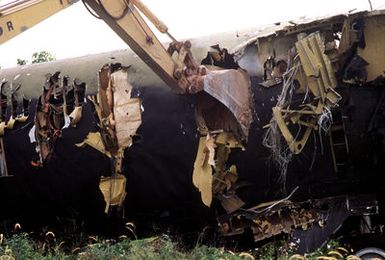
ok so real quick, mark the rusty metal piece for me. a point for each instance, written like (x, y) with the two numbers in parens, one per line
(49, 119)
(285, 219)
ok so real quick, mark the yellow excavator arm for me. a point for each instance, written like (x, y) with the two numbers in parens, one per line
(180, 72)
(124, 18)
(19, 15)
(183, 74)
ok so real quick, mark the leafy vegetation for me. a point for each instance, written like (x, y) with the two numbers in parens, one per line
(21, 246)
(37, 57)
(21, 62)
(42, 56)
(47, 246)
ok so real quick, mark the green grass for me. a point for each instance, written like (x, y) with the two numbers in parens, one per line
(22, 246)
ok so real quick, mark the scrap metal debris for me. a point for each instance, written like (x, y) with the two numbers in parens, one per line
(285, 216)
(220, 57)
(58, 99)
(223, 114)
(266, 221)
(341, 48)
(11, 100)
(213, 152)
(119, 117)
(310, 62)
(309, 70)
(318, 62)
(7, 122)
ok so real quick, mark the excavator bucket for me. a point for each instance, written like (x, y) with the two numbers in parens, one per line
(232, 89)
(183, 74)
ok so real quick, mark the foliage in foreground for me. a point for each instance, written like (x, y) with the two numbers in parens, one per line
(22, 246)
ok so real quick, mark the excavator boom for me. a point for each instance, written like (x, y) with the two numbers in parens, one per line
(19, 15)
(124, 18)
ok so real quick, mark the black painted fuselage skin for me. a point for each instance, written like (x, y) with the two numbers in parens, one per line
(159, 164)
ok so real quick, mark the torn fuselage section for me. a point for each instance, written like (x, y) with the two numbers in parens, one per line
(293, 121)
(316, 66)
(223, 115)
(310, 223)
(310, 61)
(119, 117)
(10, 101)
(59, 106)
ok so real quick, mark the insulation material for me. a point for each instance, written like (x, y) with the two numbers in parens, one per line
(113, 189)
(127, 112)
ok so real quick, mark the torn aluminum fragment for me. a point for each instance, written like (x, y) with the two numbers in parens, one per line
(127, 110)
(113, 189)
(202, 175)
(212, 155)
(95, 141)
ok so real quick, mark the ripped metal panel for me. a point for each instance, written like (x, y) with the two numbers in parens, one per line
(119, 114)
(119, 118)
(202, 176)
(127, 112)
(294, 27)
(94, 140)
(113, 189)
(51, 114)
(319, 78)
(211, 175)
(223, 115)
